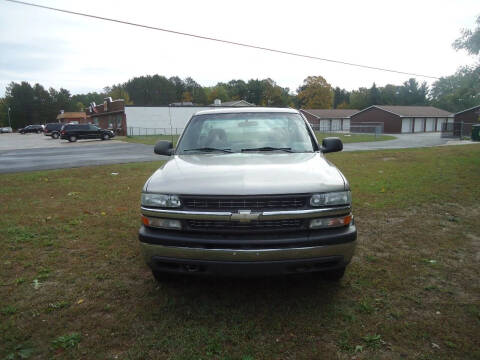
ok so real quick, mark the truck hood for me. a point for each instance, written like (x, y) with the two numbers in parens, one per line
(246, 174)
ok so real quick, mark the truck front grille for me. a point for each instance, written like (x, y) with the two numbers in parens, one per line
(256, 203)
(235, 226)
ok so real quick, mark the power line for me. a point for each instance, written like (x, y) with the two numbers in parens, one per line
(221, 40)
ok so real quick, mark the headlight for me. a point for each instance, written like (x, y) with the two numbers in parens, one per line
(160, 200)
(332, 198)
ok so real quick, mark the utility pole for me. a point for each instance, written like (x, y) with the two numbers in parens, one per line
(9, 123)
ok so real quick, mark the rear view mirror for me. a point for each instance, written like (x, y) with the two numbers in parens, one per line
(163, 147)
(247, 123)
(331, 144)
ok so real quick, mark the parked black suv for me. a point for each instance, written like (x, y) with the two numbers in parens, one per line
(88, 131)
(31, 129)
(53, 130)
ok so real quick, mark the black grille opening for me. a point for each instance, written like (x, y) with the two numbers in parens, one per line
(249, 203)
(217, 225)
(314, 266)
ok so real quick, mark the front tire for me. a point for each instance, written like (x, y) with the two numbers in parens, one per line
(55, 136)
(333, 275)
(72, 138)
(105, 137)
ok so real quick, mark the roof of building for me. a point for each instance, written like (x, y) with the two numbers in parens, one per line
(234, 103)
(331, 113)
(182, 103)
(412, 111)
(470, 109)
(72, 115)
(248, 110)
(112, 106)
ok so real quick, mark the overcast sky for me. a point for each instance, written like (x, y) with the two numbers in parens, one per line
(81, 54)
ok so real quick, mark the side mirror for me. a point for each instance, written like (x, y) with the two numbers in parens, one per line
(331, 144)
(163, 147)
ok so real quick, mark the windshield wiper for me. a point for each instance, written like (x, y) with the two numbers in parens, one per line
(269, 148)
(209, 149)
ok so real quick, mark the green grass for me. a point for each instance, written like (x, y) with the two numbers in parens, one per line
(148, 139)
(346, 138)
(73, 284)
(67, 341)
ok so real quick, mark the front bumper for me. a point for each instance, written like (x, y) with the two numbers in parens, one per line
(178, 252)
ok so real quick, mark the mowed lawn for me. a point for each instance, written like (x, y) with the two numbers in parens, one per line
(73, 284)
(346, 138)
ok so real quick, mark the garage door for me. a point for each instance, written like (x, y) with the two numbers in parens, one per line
(430, 125)
(336, 125)
(419, 124)
(324, 125)
(407, 125)
(440, 121)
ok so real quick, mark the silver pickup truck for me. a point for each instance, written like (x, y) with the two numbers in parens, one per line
(247, 191)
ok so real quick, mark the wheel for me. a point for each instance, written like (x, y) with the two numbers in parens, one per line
(105, 137)
(333, 275)
(39, 131)
(72, 138)
(55, 136)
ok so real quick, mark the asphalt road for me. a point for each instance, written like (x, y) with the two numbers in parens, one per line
(402, 141)
(75, 156)
(45, 154)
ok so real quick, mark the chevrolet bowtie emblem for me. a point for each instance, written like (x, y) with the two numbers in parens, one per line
(244, 216)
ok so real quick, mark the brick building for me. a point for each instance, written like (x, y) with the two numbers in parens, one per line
(72, 117)
(109, 115)
(466, 118)
(403, 119)
(329, 119)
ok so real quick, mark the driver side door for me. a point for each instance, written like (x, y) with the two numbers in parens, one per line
(93, 132)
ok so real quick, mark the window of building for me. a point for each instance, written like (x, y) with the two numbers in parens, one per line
(119, 121)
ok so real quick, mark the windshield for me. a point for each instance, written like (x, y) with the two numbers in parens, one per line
(243, 132)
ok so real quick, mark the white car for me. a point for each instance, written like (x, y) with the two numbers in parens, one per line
(5, 130)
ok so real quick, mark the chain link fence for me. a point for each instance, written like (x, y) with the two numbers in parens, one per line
(375, 129)
(456, 130)
(140, 131)
(367, 128)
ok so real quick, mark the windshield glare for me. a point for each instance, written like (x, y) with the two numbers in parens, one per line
(242, 131)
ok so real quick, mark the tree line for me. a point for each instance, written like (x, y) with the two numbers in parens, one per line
(37, 105)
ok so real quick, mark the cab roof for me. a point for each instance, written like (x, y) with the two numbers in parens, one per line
(248, 110)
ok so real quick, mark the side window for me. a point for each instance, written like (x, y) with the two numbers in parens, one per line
(83, 127)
